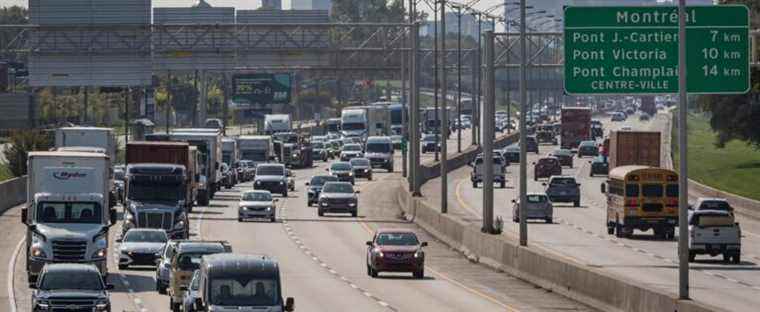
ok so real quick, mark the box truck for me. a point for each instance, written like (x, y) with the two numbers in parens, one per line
(634, 148)
(575, 126)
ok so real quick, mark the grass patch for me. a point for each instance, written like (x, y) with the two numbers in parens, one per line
(5, 174)
(735, 168)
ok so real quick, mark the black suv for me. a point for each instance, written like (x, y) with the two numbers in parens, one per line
(271, 177)
(70, 287)
(338, 197)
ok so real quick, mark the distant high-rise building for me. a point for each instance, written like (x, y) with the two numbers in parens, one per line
(271, 4)
(311, 4)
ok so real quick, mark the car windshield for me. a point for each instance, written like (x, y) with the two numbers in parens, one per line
(321, 180)
(118, 174)
(68, 212)
(89, 280)
(563, 181)
(244, 291)
(353, 126)
(145, 189)
(337, 188)
(256, 196)
(342, 166)
(378, 148)
(536, 199)
(715, 205)
(270, 170)
(397, 239)
(352, 147)
(360, 162)
(429, 138)
(547, 161)
(137, 236)
(190, 261)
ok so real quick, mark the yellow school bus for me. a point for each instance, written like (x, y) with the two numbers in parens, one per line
(642, 198)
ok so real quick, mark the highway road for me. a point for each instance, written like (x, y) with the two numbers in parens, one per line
(579, 234)
(321, 258)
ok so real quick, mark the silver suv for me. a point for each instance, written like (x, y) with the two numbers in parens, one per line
(379, 151)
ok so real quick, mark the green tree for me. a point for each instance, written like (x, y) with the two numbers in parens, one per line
(734, 117)
(21, 143)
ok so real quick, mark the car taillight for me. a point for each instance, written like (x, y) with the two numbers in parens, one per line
(632, 203)
(671, 202)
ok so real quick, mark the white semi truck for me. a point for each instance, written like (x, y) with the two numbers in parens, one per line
(68, 215)
(274, 123)
(256, 148)
(87, 137)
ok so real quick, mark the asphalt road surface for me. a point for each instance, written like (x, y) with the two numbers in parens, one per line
(322, 260)
(580, 234)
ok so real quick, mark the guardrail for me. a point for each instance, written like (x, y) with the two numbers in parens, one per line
(12, 193)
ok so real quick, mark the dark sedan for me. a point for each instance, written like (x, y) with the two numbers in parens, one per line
(343, 171)
(362, 168)
(532, 145)
(588, 148)
(546, 167)
(565, 157)
(395, 250)
(599, 165)
(511, 154)
(431, 143)
(338, 197)
(314, 187)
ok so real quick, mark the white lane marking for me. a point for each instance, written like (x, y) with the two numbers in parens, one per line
(11, 275)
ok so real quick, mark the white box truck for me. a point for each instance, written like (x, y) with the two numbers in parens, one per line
(67, 216)
(87, 137)
(353, 122)
(256, 148)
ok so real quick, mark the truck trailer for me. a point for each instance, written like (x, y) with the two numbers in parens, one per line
(634, 148)
(575, 126)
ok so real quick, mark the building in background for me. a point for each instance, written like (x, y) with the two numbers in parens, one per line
(271, 4)
(469, 25)
(311, 5)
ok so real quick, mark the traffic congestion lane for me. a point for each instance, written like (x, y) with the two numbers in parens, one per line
(581, 235)
(451, 284)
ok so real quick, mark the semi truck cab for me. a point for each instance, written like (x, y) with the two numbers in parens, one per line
(155, 198)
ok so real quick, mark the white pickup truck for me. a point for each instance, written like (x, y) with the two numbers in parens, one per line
(714, 232)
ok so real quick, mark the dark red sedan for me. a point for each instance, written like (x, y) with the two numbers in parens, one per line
(395, 250)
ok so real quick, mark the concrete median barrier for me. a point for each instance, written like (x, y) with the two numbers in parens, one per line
(12, 193)
(544, 268)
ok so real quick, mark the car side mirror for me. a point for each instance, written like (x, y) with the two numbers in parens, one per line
(290, 304)
(514, 201)
(603, 188)
(533, 163)
(424, 244)
(307, 183)
(24, 212)
(543, 184)
(369, 243)
(109, 286)
(691, 207)
(327, 169)
(119, 239)
(358, 191)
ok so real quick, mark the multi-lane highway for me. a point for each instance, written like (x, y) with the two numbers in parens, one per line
(579, 234)
(322, 260)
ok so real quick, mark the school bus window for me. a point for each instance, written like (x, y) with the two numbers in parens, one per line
(651, 190)
(632, 190)
(672, 190)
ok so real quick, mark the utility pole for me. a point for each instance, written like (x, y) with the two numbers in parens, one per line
(480, 64)
(488, 133)
(444, 117)
(459, 79)
(509, 81)
(683, 178)
(404, 98)
(523, 129)
(473, 88)
(415, 120)
(435, 74)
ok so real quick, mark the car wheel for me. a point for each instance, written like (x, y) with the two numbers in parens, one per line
(726, 258)
(354, 213)
(369, 178)
(419, 274)
(353, 182)
(373, 272)
(577, 203)
(503, 184)
(692, 256)
(549, 220)
(369, 270)
(618, 231)
(320, 213)
(308, 203)
(737, 258)
(390, 168)
(240, 219)
(273, 219)
(474, 184)
(161, 289)
(285, 193)
(516, 220)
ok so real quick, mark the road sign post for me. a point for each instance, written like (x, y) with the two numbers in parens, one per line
(634, 50)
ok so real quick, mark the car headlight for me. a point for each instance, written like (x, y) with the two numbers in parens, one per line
(294, 155)
(351, 204)
(258, 182)
(379, 253)
(101, 306)
(366, 170)
(43, 305)
(323, 203)
(100, 253)
(419, 254)
(269, 208)
(282, 183)
(38, 252)
(350, 174)
(179, 225)
(129, 218)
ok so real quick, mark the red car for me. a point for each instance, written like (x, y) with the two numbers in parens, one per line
(395, 250)
(546, 167)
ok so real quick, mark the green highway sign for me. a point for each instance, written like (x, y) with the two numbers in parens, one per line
(261, 88)
(634, 50)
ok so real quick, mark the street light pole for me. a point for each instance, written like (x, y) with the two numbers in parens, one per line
(444, 117)
(459, 79)
(435, 74)
(683, 179)
(523, 130)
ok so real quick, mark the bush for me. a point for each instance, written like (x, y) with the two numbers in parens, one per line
(21, 143)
